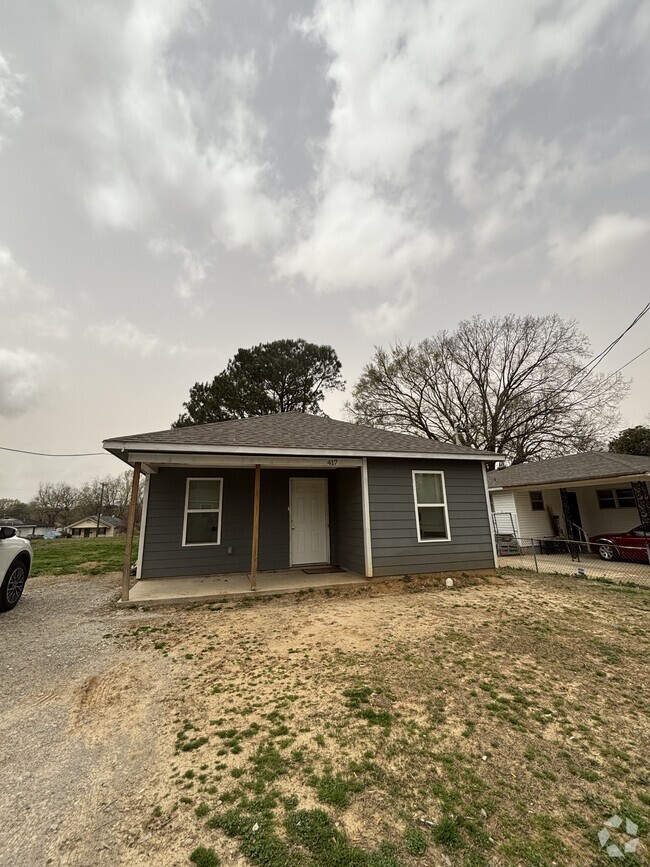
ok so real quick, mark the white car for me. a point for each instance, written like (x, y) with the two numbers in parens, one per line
(15, 562)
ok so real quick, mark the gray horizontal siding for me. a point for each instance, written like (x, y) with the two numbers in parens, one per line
(348, 520)
(395, 546)
(164, 555)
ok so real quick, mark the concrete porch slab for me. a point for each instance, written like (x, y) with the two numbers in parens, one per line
(207, 588)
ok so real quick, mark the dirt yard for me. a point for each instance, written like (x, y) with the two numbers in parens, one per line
(499, 723)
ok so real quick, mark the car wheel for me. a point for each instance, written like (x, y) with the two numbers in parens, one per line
(13, 585)
(606, 552)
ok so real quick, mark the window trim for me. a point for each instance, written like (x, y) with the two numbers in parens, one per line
(613, 496)
(533, 508)
(629, 495)
(187, 511)
(442, 505)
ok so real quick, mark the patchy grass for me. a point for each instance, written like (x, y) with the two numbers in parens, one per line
(79, 556)
(500, 724)
(203, 857)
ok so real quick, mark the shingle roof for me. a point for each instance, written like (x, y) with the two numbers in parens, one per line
(570, 468)
(106, 520)
(295, 430)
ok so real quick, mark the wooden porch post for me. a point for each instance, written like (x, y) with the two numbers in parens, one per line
(256, 529)
(130, 524)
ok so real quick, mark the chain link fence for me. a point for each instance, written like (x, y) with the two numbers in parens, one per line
(624, 564)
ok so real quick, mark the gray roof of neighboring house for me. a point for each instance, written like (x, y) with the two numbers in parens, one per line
(106, 520)
(570, 468)
(294, 430)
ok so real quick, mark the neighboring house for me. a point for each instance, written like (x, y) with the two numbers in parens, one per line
(297, 490)
(109, 525)
(26, 529)
(576, 496)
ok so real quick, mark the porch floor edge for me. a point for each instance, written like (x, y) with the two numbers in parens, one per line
(164, 591)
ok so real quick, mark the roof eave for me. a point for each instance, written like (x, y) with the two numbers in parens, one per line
(563, 483)
(121, 447)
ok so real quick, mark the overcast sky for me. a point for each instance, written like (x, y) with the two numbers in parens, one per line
(179, 179)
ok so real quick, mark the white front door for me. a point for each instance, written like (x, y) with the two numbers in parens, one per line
(309, 515)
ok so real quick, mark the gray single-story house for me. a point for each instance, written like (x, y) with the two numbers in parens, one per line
(289, 490)
(574, 496)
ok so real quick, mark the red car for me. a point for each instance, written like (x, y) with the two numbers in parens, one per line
(633, 545)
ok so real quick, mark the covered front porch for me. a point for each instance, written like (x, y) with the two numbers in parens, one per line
(575, 510)
(227, 525)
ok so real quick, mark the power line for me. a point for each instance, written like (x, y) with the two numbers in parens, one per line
(591, 365)
(627, 363)
(595, 361)
(50, 455)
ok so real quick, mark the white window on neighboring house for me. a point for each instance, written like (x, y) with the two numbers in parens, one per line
(617, 498)
(625, 498)
(536, 501)
(430, 498)
(202, 519)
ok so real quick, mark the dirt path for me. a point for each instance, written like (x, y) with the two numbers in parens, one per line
(70, 772)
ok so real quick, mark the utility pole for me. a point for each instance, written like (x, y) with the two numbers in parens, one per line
(99, 511)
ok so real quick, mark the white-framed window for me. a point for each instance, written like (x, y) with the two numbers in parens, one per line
(202, 518)
(536, 501)
(429, 495)
(617, 498)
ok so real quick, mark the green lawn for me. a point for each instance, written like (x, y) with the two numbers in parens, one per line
(79, 556)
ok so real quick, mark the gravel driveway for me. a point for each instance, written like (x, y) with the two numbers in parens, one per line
(71, 764)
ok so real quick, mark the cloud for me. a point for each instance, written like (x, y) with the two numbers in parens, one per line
(122, 334)
(606, 242)
(387, 317)
(10, 84)
(417, 90)
(13, 277)
(41, 318)
(359, 240)
(409, 74)
(193, 266)
(163, 138)
(22, 383)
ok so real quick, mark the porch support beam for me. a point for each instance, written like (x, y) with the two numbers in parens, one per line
(255, 547)
(143, 521)
(130, 524)
(365, 506)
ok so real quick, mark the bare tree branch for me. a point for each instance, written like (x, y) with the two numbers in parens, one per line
(510, 384)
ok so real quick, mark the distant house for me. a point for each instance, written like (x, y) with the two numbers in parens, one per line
(575, 496)
(109, 525)
(26, 529)
(297, 491)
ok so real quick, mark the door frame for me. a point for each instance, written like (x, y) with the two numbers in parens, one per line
(326, 487)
